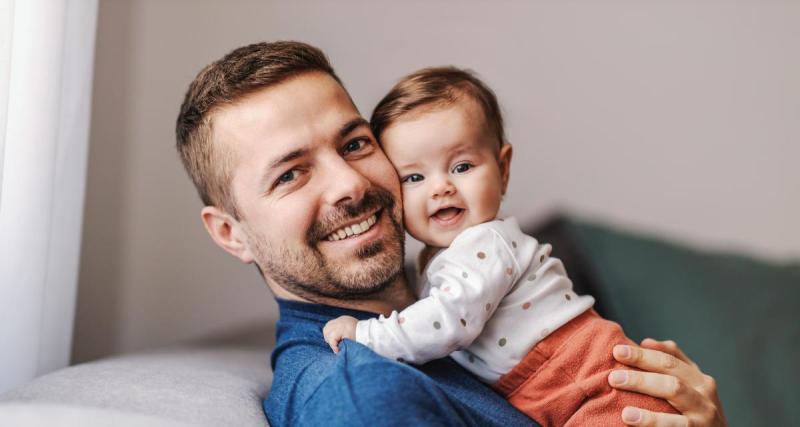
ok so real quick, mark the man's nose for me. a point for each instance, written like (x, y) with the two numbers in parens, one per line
(442, 186)
(344, 183)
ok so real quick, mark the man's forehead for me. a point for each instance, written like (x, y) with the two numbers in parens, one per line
(307, 107)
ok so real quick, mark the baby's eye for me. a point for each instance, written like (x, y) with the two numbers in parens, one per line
(462, 167)
(414, 177)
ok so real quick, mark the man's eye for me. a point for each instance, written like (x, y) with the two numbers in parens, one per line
(287, 177)
(355, 145)
(414, 177)
(462, 167)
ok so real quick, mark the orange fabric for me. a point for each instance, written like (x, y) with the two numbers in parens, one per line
(563, 381)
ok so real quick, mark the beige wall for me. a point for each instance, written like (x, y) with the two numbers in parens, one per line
(682, 118)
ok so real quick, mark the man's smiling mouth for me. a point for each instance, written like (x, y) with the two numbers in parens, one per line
(353, 229)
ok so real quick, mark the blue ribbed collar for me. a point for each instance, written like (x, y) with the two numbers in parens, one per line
(316, 312)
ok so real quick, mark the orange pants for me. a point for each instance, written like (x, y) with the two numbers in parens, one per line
(563, 381)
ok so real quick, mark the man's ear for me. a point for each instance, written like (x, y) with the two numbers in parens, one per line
(504, 159)
(227, 232)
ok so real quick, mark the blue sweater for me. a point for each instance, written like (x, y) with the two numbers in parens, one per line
(313, 386)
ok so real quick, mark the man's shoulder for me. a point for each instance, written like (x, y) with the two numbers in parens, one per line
(313, 386)
(361, 371)
(355, 383)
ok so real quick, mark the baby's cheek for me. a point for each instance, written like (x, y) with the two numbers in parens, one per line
(415, 217)
(489, 201)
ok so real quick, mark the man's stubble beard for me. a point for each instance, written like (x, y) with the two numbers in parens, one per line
(307, 273)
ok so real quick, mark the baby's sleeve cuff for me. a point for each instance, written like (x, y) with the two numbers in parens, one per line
(362, 333)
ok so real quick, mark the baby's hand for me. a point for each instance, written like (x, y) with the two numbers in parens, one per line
(339, 329)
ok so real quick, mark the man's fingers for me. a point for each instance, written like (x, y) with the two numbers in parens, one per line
(642, 417)
(668, 346)
(678, 393)
(658, 361)
(672, 376)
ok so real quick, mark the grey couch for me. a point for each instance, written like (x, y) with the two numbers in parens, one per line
(213, 383)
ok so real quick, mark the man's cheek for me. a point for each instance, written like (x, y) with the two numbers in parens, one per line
(294, 222)
(391, 181)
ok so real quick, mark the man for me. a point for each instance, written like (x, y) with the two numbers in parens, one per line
(283, 160)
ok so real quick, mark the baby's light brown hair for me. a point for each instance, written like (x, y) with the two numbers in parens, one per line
(437, 87)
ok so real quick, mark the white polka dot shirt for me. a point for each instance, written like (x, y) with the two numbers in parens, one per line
(487, 299)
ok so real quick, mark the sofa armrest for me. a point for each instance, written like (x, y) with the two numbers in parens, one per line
(201, 384)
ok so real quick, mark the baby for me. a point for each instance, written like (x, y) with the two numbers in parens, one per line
(491, 297)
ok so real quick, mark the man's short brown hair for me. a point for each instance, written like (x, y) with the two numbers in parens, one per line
(222, 83)
(437, 87)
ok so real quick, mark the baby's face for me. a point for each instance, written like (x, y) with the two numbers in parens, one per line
(452, 171)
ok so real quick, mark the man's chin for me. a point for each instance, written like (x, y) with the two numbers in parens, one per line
(367, 267)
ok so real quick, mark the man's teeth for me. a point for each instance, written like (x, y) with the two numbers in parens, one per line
(353, 230)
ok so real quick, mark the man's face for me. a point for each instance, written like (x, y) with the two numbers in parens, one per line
(319, 201)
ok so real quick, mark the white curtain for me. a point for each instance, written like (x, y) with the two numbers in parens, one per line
(46, 63)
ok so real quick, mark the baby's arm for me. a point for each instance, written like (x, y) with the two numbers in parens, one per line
(467, 282)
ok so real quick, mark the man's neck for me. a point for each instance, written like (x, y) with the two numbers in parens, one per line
(425, 256)
(396, 296)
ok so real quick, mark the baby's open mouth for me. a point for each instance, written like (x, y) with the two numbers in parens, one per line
(447, 214)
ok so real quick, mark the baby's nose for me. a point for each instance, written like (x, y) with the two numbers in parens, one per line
(443, 188)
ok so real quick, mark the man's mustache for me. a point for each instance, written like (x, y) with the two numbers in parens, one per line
(375, 198)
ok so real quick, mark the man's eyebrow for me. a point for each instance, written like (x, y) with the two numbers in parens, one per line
(351, 126)
(288, 157)
(300, 152)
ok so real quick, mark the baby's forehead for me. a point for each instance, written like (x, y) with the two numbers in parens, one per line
(436, 136)
(462, 102)
(462, 113)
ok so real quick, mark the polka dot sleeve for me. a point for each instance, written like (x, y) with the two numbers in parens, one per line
(467, 281)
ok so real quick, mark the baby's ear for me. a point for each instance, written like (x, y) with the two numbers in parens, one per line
(504, 159)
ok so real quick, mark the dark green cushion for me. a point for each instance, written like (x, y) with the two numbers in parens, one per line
(737, 317)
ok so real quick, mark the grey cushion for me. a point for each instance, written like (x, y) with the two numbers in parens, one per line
(43, 414)
(199, 384)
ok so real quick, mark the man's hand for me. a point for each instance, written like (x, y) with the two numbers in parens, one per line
(339, 329)
(672, 376)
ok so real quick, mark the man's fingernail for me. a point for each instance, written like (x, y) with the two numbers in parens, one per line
(631, 415)
(619, 377)
(622, 351)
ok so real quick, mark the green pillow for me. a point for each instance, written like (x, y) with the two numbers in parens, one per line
(737, 317)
